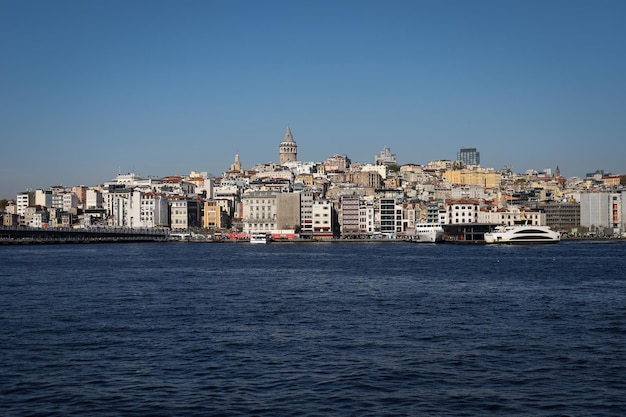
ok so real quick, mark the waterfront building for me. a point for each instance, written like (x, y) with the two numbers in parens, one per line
(36, 216)
(349, 216)
(367, 216)
(227, 196)
(213, 216)
(69, 201)
(432, 213)
(390, 215)
(512, 215)
(122, 206)
(80, 191)
(270, 211)
(288, 149)
(323, 220)
(595, 210)
(92, 199)
(462, 211)
(154, 210)
(288, 211)
(23, 201)
(10, 219)
(57, 194)
(185, 212)
(562, 215)
(603, 210)
(306, 212)
(43, 198)
(469, 156)
(259, 211)
(411, 215)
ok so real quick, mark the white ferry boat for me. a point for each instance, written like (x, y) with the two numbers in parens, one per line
(259, 237)
(521, 234)
(428, 233)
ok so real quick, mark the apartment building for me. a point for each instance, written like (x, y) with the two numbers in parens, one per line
(154, 210)
(367, 217)
(390, 216)
(259, 211)
(349, 216)
(603, 210)
(562, 215)
(23, 201)
(185, 213)
(306, 213)
(323, 224)
(462, 211)
(214, 217)
(93, 199)
(122, 206)
(484, 177)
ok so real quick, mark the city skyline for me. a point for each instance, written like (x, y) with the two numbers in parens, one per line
(160, 88)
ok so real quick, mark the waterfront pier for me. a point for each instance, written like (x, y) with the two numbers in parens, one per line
(26, 235)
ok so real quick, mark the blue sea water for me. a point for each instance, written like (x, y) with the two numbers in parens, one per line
(341, 329)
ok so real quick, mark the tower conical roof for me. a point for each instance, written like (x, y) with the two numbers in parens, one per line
(288, 137)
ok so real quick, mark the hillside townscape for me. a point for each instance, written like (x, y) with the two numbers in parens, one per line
(332, 199)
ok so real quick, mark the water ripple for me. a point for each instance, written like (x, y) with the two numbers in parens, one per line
(308, 330)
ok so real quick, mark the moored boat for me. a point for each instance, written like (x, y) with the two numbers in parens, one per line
(428, 233)
(522, 234)
(259, 237)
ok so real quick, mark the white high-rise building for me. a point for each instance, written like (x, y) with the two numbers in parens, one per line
(602, 210)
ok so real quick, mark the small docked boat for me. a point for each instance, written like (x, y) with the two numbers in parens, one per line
(428, 233)
(522, 234)
(259, 237)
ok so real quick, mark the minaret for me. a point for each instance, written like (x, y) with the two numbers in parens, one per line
(236, 166)
(288, 148)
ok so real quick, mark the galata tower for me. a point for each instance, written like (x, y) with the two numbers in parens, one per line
(288, 148)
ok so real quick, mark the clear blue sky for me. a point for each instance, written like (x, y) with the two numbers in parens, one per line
(89, 88)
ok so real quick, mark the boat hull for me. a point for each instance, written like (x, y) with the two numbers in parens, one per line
(522, 235)
(428, 234)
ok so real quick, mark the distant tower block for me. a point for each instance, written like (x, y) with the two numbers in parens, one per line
(288, 148)
(469, 156)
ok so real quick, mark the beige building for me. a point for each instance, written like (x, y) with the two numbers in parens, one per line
(486, 178)
(288, 211)
(322, 220)
(212, 216)
(267, 211)
(259, 211)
